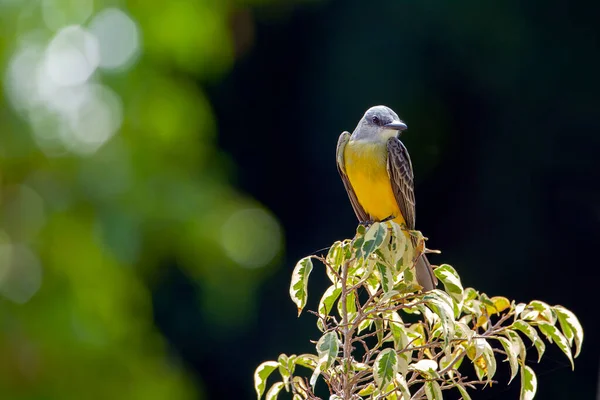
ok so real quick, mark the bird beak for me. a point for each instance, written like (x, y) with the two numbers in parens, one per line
(397, 125)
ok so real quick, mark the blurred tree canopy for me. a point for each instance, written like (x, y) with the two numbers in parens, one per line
(109, 169)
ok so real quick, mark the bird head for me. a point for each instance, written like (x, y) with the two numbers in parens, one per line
(379, 123)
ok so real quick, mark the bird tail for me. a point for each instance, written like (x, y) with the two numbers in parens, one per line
(425, 275)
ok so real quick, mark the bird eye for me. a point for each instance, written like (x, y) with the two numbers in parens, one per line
(376, 120)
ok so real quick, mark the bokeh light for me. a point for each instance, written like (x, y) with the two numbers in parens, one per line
(251, 237)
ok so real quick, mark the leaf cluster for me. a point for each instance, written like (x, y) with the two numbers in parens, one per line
(384, 338)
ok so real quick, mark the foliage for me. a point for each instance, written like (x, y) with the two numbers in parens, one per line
(90, 217)
(390, 340)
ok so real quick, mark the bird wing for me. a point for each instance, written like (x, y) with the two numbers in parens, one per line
(401, 177)
(341, 145)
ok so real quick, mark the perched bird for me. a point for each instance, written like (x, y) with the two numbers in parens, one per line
(377, 174)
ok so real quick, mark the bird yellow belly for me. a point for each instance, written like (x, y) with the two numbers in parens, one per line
(366, 167)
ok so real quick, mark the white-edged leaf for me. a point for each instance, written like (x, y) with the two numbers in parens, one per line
(517, 343)
(387, 278)
(571, 327)
(512, 352)
(546, 314)
(299, 285)
(553, 335)
(449, 277)
(261, 374)
(326, 303)
(427, 368)
(385, 367)
(398, 242)
(403, 386)
(327, 349)
(532, 334)
(433, 391)
(438, 303)
(490, 361)
(528, 383)
(273, 392)
(373, 239)
(307, 361)
(335, 258)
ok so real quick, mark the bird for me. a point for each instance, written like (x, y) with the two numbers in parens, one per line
(377, 173)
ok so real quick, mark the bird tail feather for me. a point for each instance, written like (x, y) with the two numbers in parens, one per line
(424, 273)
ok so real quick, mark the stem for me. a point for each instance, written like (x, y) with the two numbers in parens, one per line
(347, 332)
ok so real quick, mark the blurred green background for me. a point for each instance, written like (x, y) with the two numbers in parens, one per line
(164, 164)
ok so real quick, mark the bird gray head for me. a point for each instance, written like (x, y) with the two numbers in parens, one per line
(379, 123)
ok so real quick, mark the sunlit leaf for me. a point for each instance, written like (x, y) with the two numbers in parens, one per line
(433, 391)
(512, 352)
(449, 277)
(327, 349)
(532, 334)
(517, 344)
(571, 327)
(427, 368)
(299, 285)
(326, 303)
(385, 367)
(403, 386)
(546, 312)
(373, 239)
(335, 258)
(387, 278)
(463, 392)
(528, 383)
(307, 360)
(398, 242)
(273, 392)
(261, 374)
(554, 335)
(499, 304)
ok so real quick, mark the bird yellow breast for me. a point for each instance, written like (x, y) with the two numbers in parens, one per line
(366, 167)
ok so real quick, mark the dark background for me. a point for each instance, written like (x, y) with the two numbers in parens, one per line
(502, 107)
(239, 106)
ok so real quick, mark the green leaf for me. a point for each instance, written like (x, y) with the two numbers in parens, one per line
(528, 383)
(366, 391)
(299, 285)
(379, 330)
(261, 374)
(512, 351)
(531, 333)
(449, 277)
(553, 335)
(373, 239)
(433, 391)
(327, 349)
(570, 326)
(387, 278)
(385, 367)
(326, 303)
(463, 393)
(273, 392)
